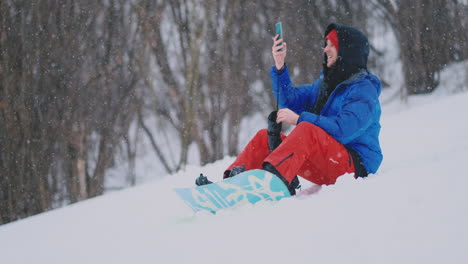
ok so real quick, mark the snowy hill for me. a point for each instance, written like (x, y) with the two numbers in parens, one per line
(415, 210)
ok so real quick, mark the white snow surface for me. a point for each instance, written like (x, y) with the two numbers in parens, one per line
(414, 210)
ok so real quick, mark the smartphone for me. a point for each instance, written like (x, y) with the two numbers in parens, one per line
(279, 31)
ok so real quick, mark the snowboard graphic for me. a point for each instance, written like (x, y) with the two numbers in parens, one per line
(247, 187)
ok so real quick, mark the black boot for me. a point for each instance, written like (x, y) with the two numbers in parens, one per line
(234, 171)
(295, 183)
(291, 186)
(202, 180)
(274, 131)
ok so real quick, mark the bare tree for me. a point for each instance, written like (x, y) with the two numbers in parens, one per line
(207, 80)
(67, 90)
(427, 42)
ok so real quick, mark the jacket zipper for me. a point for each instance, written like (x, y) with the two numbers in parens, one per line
(283, 160)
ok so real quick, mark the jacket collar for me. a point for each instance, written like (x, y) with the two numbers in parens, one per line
(356, 75)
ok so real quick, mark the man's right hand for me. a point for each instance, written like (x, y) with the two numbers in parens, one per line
(278, 55)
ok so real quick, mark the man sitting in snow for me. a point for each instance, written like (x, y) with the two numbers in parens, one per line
(336, 118)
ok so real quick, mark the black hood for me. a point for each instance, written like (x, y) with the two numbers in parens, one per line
(353, 47)
(353, 50)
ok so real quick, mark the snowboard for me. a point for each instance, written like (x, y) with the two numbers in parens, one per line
(247, 187)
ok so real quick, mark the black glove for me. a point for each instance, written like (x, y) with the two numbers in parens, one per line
(274, 130)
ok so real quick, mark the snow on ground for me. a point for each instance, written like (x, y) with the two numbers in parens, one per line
(415, 210)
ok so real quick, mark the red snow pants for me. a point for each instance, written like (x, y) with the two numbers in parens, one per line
(308, 151)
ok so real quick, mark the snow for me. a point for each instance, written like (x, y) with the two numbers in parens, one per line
(414, 210)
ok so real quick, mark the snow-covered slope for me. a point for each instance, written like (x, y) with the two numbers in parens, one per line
(415, 210)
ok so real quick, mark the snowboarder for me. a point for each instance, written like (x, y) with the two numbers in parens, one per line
(336, 118)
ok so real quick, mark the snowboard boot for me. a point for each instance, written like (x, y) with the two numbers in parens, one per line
(202, 180)
(234, 171)
(295, 184)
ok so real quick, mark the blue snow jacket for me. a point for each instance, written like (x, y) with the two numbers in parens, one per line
(351, 114)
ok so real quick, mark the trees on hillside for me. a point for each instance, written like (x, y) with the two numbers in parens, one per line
(68, 90)
(431, 34)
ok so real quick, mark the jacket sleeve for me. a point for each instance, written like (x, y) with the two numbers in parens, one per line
(356, 115)
(297, 99)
